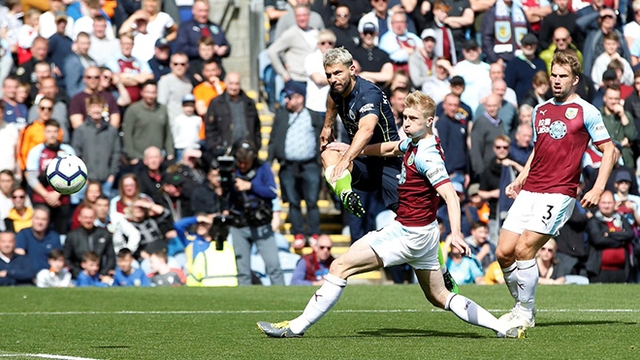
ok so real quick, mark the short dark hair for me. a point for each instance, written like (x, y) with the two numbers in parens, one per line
(52, 122)
(147, 83)
(90, 256)
(123, 253)
(56, 254)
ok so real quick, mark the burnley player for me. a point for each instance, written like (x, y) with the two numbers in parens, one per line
(545, 190)
(367, 116)
(412, 238)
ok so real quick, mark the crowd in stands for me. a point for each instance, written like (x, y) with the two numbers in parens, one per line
(139, 91)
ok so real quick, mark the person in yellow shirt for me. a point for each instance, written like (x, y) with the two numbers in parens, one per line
(20, 215)
(210, 88)
(33, 134)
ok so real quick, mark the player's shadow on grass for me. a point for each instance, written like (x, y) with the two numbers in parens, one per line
(595, 322)
(415, 333)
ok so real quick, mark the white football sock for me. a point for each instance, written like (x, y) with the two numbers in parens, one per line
(319, 304)
(527, 275)
(510, 278)
(467, 310)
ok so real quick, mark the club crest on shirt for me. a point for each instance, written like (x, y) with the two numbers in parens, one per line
(558, 130)
(410, 159)
(352, 115)
(571, 113)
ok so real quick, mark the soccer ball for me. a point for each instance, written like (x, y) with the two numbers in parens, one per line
(67, 174)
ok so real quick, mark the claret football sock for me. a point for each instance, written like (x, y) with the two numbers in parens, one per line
(319, 304)
(510, 278)
(342, 184)
(467, 310)
(527, 275)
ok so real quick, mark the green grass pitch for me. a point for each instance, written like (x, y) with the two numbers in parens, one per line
(369, 322)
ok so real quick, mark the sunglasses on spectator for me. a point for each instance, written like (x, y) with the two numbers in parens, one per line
(46, 108)
(498, 147)
(325, 247)
(561, 39)
(179, 64)
(18, 196)
(92, 77)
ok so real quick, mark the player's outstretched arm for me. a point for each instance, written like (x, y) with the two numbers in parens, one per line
(329, 119)
(389, 148)
(448, 193)
(609, 158)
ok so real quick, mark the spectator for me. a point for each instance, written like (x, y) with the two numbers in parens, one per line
(503, 27)
(33, 134)
(346, 33)
(75, 64)
(372, 63)
(175, 194)
(400, 43)
(102, 46)
(28, 32)
(294, 45)
(8, 141)
(294, 144)
(540, 91)
(186, 127)
(7, 182)
(10, 23)
(158, 25)
(146, 124)
(457, 87)
(98, 144)
(474, 72)
(14, 112)
(486, 128)
(317, 84)
(6, 62)
(507, 113)
(15, 269)
(49, 20)
(153, 221)
(129, 191)
(130, 70)
(482, 250)
(422, 62)
(90, 276)
(274, 10)
(632, 28)
(381, 15)
(452, 131)
(89, 237)
(111, 83)
(125, 235)
(521, 70)
(47, 87)
(396, 100)
(93, 190)
(632, 106)
(37, 162)
(438, 86)
(126, 274)
(210, 88)
(609, 239)
(611, 43)
(522, 147)
(39, 51)
(252, 200)
(20, 217)
(289, 19)
(78, 107)
(562, 41)
(312, 268)
(198, 241)
(453, 20)
(564, 17)
(468, 213)
(173, 87)
(206, 198)
(60, 43)
(57, 275)
(618, 123)
(478, 206)
(85, 18)
(546, 262)
(594, 42)
(464, 270)
(163, 274)
(214, 267)
(205, 53)
(150, 174)
(37, 241)
(160, 62)
(231, 117)
(190, 32)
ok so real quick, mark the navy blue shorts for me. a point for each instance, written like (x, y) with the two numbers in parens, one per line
(375, 173)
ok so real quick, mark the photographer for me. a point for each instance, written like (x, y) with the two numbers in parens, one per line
(253, 190)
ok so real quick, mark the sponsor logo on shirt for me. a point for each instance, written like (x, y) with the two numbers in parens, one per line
(365, 108)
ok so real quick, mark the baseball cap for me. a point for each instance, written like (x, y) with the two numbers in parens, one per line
(162, 42)
(470, 45)
(610, 74)
(473, 189)
(457, 80)
(428, 33)
(623, 176)
(293, 87)
(457, 187)
(529, 39)
(60, 16)
(188, 98)
(174, 179)
(369, 27)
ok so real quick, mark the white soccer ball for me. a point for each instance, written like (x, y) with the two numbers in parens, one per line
(67, 174)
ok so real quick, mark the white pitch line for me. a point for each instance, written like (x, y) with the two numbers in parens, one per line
(224, 312)
(47, 356)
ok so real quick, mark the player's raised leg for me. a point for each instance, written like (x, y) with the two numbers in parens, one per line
(342, 186)
(358, 259)
(466, 309)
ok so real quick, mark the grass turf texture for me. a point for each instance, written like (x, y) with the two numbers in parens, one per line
(369, 322)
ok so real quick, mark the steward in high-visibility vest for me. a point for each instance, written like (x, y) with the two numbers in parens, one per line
(214, 267)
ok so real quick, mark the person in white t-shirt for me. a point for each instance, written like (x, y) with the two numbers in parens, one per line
(317, 85)
(185, 127)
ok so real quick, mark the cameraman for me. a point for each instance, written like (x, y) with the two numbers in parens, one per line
(254, 188)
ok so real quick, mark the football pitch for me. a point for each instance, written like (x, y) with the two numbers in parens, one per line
(369, 322)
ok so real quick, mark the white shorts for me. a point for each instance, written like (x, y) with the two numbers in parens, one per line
(396, 244)
(542, 213)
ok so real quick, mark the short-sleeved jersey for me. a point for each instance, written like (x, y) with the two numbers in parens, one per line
(422, 172)
(561, 132)
(366, 98)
